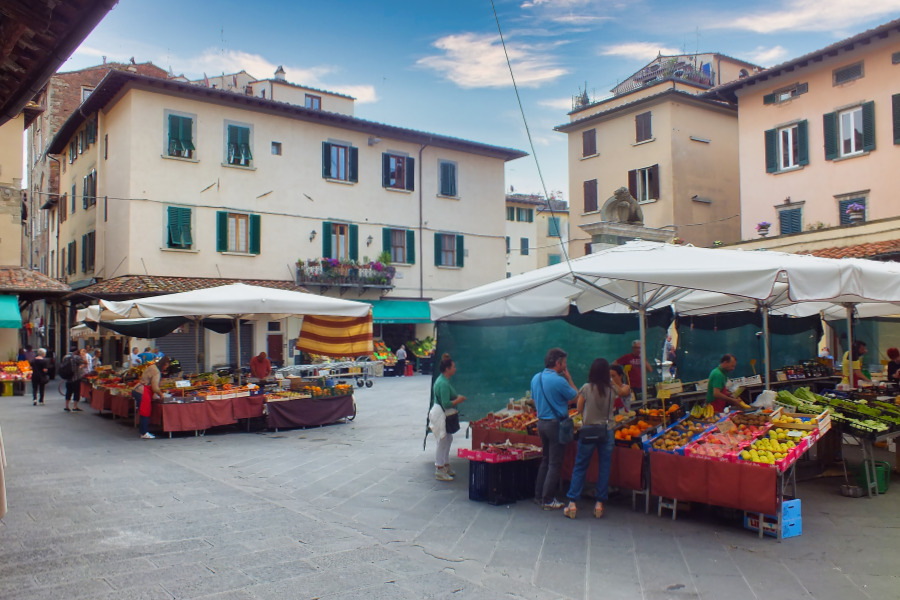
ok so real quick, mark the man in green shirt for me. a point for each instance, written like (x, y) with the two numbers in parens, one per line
(716, 392)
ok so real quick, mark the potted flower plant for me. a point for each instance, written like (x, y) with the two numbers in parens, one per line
(762, 228)
(856, 212)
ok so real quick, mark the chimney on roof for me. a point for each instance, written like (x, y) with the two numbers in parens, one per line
(279, 73)
(104, 60)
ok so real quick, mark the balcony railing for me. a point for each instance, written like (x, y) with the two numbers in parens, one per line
(345, 276)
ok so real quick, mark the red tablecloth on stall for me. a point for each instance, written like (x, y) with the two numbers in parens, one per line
(248, 407)
(735, 485)
(307, 412)
(85, 390)
(192, 416)
(121, 406)
(100, 399)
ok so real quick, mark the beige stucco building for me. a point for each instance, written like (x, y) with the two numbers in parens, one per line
(10, 216)
(536, 231)
(173, 179)
(820, 133)
(674, 152)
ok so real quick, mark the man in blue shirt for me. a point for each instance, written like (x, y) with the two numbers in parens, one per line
(552, 390)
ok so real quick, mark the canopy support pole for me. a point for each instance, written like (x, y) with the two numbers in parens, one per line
(197, 345)
(642, 323)
(237, 327)
(849, 344)
(766, 353)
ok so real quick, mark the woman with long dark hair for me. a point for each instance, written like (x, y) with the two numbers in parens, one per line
(596, 404)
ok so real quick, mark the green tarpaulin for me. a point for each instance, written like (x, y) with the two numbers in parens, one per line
(400, 311)
(10, 317)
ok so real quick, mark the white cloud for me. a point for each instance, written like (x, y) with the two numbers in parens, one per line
(477, 61)
(557, 103)
(578, 19)
(815, 15)
(638, 50)
(768, 56)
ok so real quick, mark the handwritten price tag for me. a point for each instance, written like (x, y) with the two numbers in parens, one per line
(182, 383)
(664, 394)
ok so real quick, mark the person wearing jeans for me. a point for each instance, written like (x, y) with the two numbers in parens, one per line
(149, 389)
(552, 390)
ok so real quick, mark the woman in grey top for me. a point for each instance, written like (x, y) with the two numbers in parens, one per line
(596, 403)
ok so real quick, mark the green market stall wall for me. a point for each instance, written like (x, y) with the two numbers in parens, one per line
(496, 359)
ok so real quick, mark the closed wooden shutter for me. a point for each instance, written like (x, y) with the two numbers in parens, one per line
(410, 246)
(354, 242)
(590, 195)
(438, 248)
(654, 182)
(771, 139)
(326, 239)
(385, 169)
(386, 239)
(354, 164)
(632, 183)
(460, 251)
(868, 115)
(221, 231)
(255, 240)
(803, 142)
(895, 104)
(410, 174)
(830, 130)
(589, 142)
(769, 99)
(326, 160)
(789, 221)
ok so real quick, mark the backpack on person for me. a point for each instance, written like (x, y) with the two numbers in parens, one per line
(67, 367)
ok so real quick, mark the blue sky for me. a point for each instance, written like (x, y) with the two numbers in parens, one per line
(439, 67)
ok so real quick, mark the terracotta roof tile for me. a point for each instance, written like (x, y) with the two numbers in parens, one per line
(16, 280)
(868, 250)
(149, 285)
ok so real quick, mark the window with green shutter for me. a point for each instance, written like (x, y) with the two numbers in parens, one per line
(787, 147)
(448, 183)
(179, 227)
(238, 146)
(553, 227)
(410, 247)
(523, 246)
(510, 213)
(255, 231)
(449, 250)
(237, 232)
(340, 161)
(850, 132)
(181, 136)
(895, 105)
(326, 239)
(844, 204)
(790, 221)
(554, 259)
(398, 172)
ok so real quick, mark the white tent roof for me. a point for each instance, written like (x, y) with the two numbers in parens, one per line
(653, 275)
(237, 300)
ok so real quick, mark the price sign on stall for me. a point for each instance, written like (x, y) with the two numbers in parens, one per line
(664, 394)
(182, 383)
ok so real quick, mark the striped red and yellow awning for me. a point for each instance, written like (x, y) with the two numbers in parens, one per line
(336, 336)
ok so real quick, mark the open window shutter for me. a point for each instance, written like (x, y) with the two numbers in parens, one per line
(173, 133)
(255, 225)
(184, 223)
(221, 231)
(769, 99)
(354, 164)
(354, 242)
(444, 178)
(895, 102)
(410, 246)
(654, 182)
(868, 114)
(632, 183)
(84, 191)
(385, 170)
(771, 150)
(174, 227)
(437, 249)
(326, 160)
(386, 239)
(244, 133)
(803, 142)
(326, 239)
(460, 251)
(84, 247)
(829, 127)
(410, 174)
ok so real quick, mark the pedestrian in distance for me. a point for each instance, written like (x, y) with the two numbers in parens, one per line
(552, 390)
(40, 375)
(401, 360)
(70, 369)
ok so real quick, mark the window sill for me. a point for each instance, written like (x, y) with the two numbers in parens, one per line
(341, 181)
(595, 154)
(651, 201)
(231, 253)
(182, 250)
(448, 267)
(850, 156)
(398, 190)
(239, 167)
(591, 212)
(447, 197)
(180, 159)
(653, 139)
(789, 170)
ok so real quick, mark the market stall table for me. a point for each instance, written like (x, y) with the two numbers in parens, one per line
(309, 412)
(100, 399)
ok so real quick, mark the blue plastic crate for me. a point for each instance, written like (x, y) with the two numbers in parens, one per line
(789, 527)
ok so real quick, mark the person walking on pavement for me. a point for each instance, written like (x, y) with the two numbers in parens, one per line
(401, 360)
(40, 368)
(70, 369)
(552, 390)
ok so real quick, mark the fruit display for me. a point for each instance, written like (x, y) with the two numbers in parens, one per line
(632, 430)
(676, 437)
(496, 453)
(518, 423)
(383, 353)
(859, 416)
(15, 371)
(421, 348)
(658, 412)
(704, 412)
(778, 448)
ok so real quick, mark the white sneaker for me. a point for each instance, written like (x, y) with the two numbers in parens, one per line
(148, 436)
(449, 470)
(441, 475)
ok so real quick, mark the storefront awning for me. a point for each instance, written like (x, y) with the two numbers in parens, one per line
(10, 317)
(400, 311)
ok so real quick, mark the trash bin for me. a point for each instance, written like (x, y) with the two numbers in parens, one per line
(882, 475)
(7, 388)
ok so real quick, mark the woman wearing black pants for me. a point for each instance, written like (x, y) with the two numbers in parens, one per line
(39, 375)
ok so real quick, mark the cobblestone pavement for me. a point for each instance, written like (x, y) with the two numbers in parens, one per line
(353, 511)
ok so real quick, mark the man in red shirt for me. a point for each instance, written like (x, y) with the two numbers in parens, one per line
(260, 366)
(633, 358)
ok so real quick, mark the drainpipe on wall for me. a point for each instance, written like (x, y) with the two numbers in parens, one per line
(59, 331)
(421, 241)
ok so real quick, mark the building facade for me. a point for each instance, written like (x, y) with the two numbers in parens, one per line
(173, 179)
(820, 136)
(536, 231)
(674, 152)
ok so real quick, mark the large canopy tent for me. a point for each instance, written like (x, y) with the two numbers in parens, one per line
(238, 301)
(641, 276)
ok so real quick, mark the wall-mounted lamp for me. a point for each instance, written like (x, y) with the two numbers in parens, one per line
(312, 235)
(374, 140)
(369, 241)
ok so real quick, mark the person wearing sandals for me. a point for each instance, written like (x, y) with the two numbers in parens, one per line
(596, 403)
(447, 398)
(552, 390)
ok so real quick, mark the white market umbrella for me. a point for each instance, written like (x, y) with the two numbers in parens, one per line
(642, 276)
(238, 301)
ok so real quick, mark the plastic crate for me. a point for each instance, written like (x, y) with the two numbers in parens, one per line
(882, 476)
(494, 483)
(789, 527)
